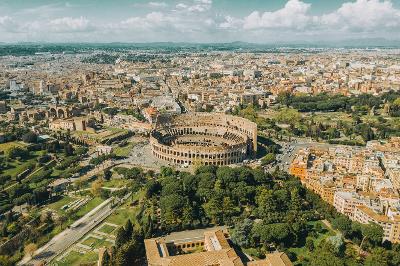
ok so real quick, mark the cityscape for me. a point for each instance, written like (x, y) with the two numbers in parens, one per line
(200, 132)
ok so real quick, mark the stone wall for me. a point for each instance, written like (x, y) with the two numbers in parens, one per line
(213, 139)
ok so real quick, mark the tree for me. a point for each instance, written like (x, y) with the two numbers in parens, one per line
(61, 220)
(15, 151)
(333, 133)
(228, 210)
(325, 258)
(122, 257)
(379, 256)
(148, 226)
(260, 177)
(6, 261)
(249, 113)
(285, 98)
(394, 109)
(79, 183)
(107, 174)
(288, 116)
(45, 217)
(318, 228)
(30, 249)
(106, 259)
(267, 159)
(171, 209)
(394, 255)
(187, 215)
(29, 137)
(96, 187)
(213, 210)
(267, 202)
(310, 244)
(277, 233)
(295, 199)
(337, 245)
(68, 149)
(128, 228)
(373, 233)
(130, 253)
(205, 185)
(241, 232)
(120, 237)
(343, 224)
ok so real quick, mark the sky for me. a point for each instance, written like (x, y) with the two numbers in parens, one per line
(201, 21)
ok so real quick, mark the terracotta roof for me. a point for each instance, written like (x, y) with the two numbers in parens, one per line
(222, 257)
(279, 259)
(273, 259)
(217, 251)
(377, 217)
(151, 110)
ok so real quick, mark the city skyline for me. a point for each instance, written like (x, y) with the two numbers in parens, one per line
(199, 21)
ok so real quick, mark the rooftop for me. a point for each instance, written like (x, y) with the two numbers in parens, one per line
(202, 247)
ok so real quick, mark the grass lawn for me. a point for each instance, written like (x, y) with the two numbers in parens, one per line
(96, 243)
(124, 151)
(56, 172)
(89, 206)
(122, 214)
(17, 167)
(252, 252)
(7, 145)
(101, 135)
(56, 206)
(76, 258)
(108, 229)
(116, 183)
(332, 116)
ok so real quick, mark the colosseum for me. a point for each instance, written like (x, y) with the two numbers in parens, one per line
(212, 139)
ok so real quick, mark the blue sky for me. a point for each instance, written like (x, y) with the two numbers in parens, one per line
(260, 21)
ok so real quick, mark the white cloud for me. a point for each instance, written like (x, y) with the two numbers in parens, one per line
(43, 11)
(205, 2)
(196, 6)
(181, 6)
(6, 22)
(230, 22)
(153, 20)
(158, 4)
(362, 15)
(196, 20)
(292, 15)
(9, 24)
(69, 24)
(359, 16)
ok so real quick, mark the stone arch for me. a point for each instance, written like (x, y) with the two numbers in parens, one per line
(61, 113)
(53, 112)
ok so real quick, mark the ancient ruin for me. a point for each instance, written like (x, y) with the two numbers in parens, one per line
(210, 139)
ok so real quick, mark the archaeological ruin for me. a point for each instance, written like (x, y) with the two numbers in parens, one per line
(209, 139)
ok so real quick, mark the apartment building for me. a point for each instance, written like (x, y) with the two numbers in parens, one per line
(390, 224)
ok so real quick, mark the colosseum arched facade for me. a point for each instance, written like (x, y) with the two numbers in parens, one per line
(212, 139)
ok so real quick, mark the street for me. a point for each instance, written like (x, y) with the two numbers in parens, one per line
(69, 236)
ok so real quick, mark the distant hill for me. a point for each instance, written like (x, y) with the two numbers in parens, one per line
(31, 48)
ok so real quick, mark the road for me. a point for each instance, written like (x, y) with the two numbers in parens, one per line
(71, 235)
